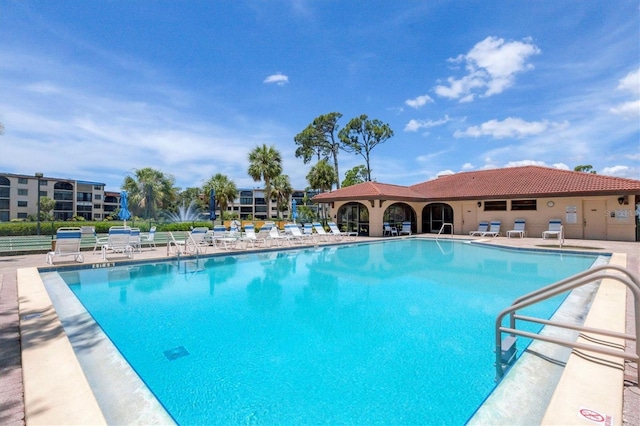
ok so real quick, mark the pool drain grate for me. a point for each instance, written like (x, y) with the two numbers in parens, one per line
(175, 353)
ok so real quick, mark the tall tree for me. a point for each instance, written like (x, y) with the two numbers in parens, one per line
(225, 191)
(586, 168)
(320, 139)
(281, 190)
(150, 190)
(321, 177)
(361, 135)
(265, 163)
(354, 176)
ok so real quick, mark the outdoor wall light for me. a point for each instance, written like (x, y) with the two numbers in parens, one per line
(479, 203)
(621, 200)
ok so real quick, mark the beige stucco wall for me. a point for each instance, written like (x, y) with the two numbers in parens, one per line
(596, 218)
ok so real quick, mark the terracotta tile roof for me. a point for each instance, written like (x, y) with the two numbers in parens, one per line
(370, 191)
(511, 182)
(527, 181)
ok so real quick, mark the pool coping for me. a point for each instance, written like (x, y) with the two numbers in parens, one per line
(50, 365)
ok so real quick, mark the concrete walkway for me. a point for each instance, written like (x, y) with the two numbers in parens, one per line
(11, 385)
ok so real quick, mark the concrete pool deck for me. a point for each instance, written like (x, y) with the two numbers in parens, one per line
(27, 393)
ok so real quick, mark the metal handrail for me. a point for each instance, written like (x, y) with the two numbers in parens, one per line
(589, 276)
(442, 228)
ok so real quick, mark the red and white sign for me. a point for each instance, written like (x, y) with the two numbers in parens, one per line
(595, 417)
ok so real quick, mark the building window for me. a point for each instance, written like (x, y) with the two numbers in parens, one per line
(22, 215)
(4, 192)
(4, 205)
(44, 182)
(43, 193)
(96, 206)
(98, 216)
(23, 181)
(524, 205)
(22, 204)
(22, 191)
(97, 187)
(97, 197)
(495, 206)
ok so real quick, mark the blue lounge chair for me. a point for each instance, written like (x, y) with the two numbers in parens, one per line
(518, 229)
(67, 244)
(406, 228)
(494, 229)
(482, 228)
(388, 230)
(555, 230)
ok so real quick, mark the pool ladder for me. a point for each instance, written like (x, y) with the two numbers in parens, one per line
(444, 225)
(505, 349)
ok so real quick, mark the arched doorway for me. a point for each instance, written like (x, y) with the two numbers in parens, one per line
(353, 217)
(435, 215)
(397, 213)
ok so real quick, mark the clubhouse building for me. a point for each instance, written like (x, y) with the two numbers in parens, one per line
(590, 206)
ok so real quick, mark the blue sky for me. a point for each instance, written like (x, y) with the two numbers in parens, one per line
(94, 90)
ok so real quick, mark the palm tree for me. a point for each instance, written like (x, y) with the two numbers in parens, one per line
(225, 191)
(281, 190)
(150, 190)
(265, 163)
(321, 176)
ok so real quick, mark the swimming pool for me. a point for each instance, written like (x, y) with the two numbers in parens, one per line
(389, 332)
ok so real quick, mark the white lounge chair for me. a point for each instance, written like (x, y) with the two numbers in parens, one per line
(335, 231)
(307, 229)
(118, 242)
(277, 237)
(175, 245)
(221, 238)
(67, 244)
(518, 229)
(406, 228)
(322, 234)
(482, 228)
(297, 235)
(149, 238)
(135, 240)
(199, 239)
(389, 230)
(555, 230)
(250, 237)
(494, 229)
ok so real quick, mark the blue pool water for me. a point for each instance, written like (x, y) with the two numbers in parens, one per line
(395, 332)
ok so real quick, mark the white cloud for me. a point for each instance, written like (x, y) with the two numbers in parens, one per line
(630, 109)
(627, 109)
(615, 170)
(419, 101)
(445, 173)
(509, 128)
(491, 65)
(561, 166)
(525, 163)
(467, 166)
(631, 82)
(279, 79)
(415, 125)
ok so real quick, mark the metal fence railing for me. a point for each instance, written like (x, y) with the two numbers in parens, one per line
(14, 245)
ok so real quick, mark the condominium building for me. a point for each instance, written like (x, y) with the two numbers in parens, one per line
(19, 195)
(251, 202)
(19, 199)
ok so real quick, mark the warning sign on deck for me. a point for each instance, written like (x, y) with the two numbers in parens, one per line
(595, 417)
